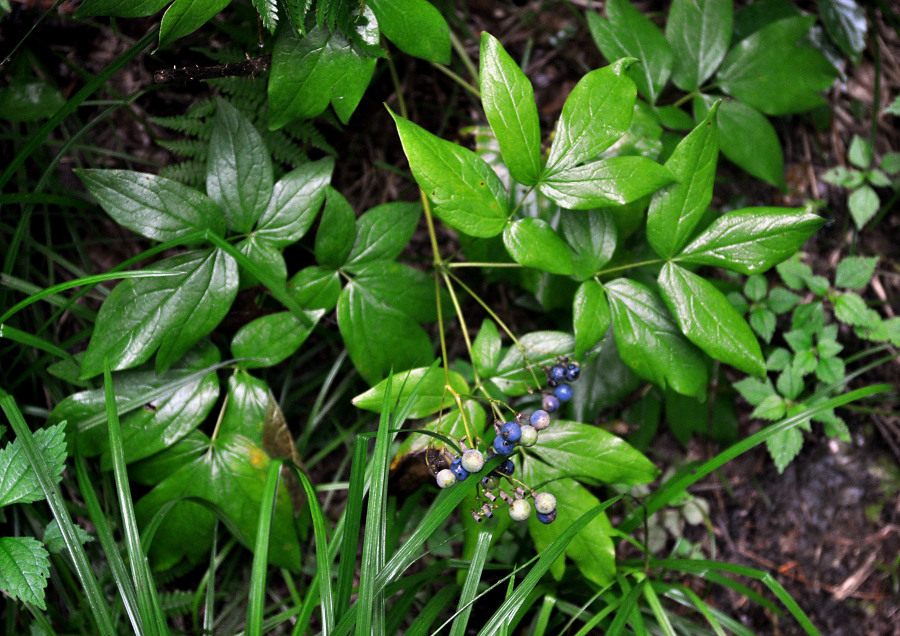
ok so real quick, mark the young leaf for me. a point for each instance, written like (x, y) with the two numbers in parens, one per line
(627, 33)
(486, 348)
(466, 192)
(709, 321)
(755, 70)
(334, 239)
(784, 446)
(155, 207)
(383, 232)
(415, 26)
(169, 313)
(851, 309)
(270, 339)
(650, 343)
(533, 243)
(860, 153)
(24, 569)
(675, 211)
(863, 204)
(508, 100)
(296, 200)
(184, 17)
(239, 169)
(434, 394)
(591, 316)
(591, 236)
(596, 114)
(18, 482)
(699, 32)
(752, 240)
(854, 272)
(604, 183)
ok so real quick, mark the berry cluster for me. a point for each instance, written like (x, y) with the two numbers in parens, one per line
(509, 435)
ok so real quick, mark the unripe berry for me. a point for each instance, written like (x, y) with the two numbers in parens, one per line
(458, 470)
(520, 510)
(503, 446)
(472, 460)
(557, 373)
(540, 420)
(529, 435)
(551, 403)
(548, 518)
(446, 478)
(544, 502)
(511, 431)
(563, 392)
(490, 482)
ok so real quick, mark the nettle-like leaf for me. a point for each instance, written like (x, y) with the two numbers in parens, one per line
(415, 26)
(18, 480)
(699, 32)
(854, 272)
(434, 393)
(169, 313)
(24, 569)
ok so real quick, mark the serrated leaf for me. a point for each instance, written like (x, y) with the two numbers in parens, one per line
(435, 394)
(486, 348)
(699, 32)
(860, 153)
(168, 313)
(466, 192)
(628, 33)
(675, 211)
(890, 162)
(863, 204)
(415, 26)
(508, 100)
(709, 321)
(772, 408)
(18, 480)
(295, 201)
(268, 340)
(152, 206)
(784, 446)
(830, 370)
(521, 365)
(591, 316)
(24, 569)
(54, 541)
(383, 232)
(533, 243)
(752, 240)
(596, 114)
(650, 343)
(754, 390)
(854, 272)
(782, 300)
(337, 228)
(790, 385)
(608, 182)
(238, 169)
(779, 359)
(268, 13)
(756, 287)
(592, 238)
(844, 177)
(763, 320)
(851, 309)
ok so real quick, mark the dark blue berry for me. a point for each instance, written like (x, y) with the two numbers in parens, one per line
(511, 431)
(557, 373)
(460, 472)
(507, 467)
(563, 392)
(548, 518)
(503, 446)
(551, 403)
(572, 372)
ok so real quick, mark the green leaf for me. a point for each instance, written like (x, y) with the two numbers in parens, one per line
(592, 238)
(29, 101)
(878, 178)
(709, 321)
(54, 541)
(675, 211)
(157, 467)
(152, 206)
(790, 385)
(890, 162)
(627, 33)
(756, 287)
(238, 170)
(754, 390)
(830, 370)
(845, 23)
(24, 570)
(591, 316)
(121, 8)
(784, 446)
(334, 239)
(596, 114)
(533, 243)
(699, 32)
(779, 360)
(747, 139)
(854, 272)
(466, 192)
(860, 153)
(186, 16)
(295, 201)
(650, 343)
(265, 256)
(451, 424)
(844, 177)
(508, 100)
(782, 300)
(608, 182)
(434, 392)
(268, 13)
(851, 309)
(516, 371)
(401, 287)
(169, 313)
(486, 348)
(763, 322)
(755, 71)
(268, 340)
(863, 204)
(415, 26)
(383, 232)
(772, 407)
(685, 416)
(752, 240)
(315, 288)
(18, 481)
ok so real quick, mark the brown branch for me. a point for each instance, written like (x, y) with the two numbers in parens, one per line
(247, 67)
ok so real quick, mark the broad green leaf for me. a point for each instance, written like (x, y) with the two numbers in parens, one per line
(845, 22)
(752, 240)
(756, 70)
(121, 8)
(18, 481)
(650, 343)
(699, 32)
(434, 393)
(591, 236)
(157, 467)
(238, 169)
(675, 211)
(521, 366)
(264, 255)
(486, 348)
(756, 287)
(784, 447)
(383, 232)
(608, 182)
(508, 100)
(152, 206)
(356, 68)
(708, 320)
(854, 272)
(415, 26)
(169, 313)
(268, 340)
(685, 416)
(184, 17)
(591, 316)
(451, 424)
(334, 238)
(466, 192)
(401, 287)
(747, 139)
(860, 153)
(377, 336)
(533, 243)
(628, 33)
(29, 101)
(673, 117)
(750, 18)
(863, 204)
(315, 287)
(24, 570)
(844, 177)
(296, 200)
(596, 114)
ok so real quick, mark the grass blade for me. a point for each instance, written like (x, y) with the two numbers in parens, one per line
(470, 586)
(352, 518)
(256, 602)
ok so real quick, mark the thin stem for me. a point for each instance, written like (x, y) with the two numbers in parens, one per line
(622, 268)
(456, 78)
(457, 45)
(471, 264)
(401, 103)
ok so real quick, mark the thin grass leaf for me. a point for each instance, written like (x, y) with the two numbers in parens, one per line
(30, 340)
(543, 617)
(658, 610)
(688, 598)
(470, 586)
(256, 603)
(599, 616)
(627, 609)
(432, 610)
(209, 598)
(352, 516)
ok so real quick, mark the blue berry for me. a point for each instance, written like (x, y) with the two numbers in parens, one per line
(458, 470)
(507, 467)
(563, 392)
(557, 373)
(503, 446)
(511, 431)
(572, 372)
(548, 518)
(540, 420)
(551, 403)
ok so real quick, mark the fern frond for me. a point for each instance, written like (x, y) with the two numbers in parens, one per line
(191, 148)
(177, 602)
(191, 173)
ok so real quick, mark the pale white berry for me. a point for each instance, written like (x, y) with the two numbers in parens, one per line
(520, 510)
(544, 503)
(529, 435)
(446, 478)
(473, 460)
